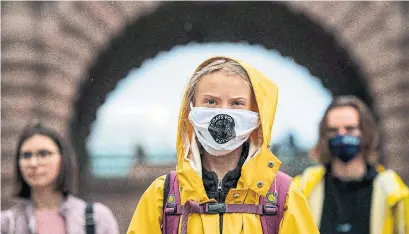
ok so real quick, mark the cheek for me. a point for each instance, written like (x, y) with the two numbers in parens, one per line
(53, 170)
(253, 104)
(357, 133)
(196, 102)
(23, 169)
(199, 100)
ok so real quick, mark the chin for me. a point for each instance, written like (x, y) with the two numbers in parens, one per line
(39, 184)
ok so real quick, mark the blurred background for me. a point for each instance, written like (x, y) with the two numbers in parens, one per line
(110, 76)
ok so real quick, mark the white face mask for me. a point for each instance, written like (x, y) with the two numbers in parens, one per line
(222, 130)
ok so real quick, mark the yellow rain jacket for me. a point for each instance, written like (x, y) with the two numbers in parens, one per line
(389, 206)
(297, 217)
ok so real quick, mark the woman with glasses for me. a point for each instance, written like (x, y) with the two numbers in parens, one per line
(45, 181)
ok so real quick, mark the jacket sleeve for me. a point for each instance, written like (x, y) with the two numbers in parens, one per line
(296, 180)
(147, 217)
(105, 220)
(398, 200)
(401, 217)
(405, 205)
(297, 216)
(5, 221)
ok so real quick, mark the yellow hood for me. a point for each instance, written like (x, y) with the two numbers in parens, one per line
(266, 94)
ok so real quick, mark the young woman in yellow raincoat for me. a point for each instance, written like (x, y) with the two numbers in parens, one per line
(224, 130)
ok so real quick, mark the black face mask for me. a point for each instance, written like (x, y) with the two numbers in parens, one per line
(345, 147)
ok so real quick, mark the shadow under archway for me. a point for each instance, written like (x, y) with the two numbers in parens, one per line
(272, 25)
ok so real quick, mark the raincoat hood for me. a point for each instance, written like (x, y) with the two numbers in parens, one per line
(266, 95)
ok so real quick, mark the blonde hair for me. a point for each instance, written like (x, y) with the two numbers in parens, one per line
(219, 64)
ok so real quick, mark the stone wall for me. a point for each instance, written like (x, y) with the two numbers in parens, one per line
(48, 48)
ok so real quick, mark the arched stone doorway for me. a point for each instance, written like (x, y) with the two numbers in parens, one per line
(52, 53)
(274, 26)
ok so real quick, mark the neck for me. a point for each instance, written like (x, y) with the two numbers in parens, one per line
(221, 164)
(46, 199)
(353, 170)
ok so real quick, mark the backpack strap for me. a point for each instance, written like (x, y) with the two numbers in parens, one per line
(222, 208)
(166, 190)
(271, 210)
(89, 219)
(275, 200)
(172, 207)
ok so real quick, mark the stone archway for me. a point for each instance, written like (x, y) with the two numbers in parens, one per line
(291, 34)
(51, 54)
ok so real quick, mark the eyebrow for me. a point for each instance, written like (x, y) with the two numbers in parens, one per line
(232, 98)
(346, 127)
(239, 98)
(38, 150)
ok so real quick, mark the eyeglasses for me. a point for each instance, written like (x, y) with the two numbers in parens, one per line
(42, 155)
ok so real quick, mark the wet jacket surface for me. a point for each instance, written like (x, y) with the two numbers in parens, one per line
(389, 200)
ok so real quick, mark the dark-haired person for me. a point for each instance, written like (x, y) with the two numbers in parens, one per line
(350, 192)
(45, 181)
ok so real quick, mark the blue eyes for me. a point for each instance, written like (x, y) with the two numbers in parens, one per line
(211, 102)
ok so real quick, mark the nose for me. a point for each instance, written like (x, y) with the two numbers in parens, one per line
(342, 131)
(33, 161)
(225, 104)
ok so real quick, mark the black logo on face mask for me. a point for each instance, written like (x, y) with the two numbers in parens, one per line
(221, 128)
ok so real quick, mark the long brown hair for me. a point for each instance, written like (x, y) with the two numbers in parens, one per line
(367, 125)
(67, 179)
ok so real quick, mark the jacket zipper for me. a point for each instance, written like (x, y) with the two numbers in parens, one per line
(220, 191)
